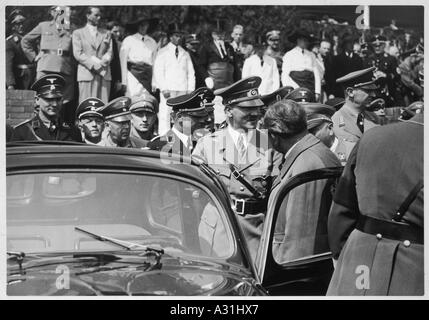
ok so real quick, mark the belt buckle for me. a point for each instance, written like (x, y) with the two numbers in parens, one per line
(236, 174)
(240, 211)
(59, 51)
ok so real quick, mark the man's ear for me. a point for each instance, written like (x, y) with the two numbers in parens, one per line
(350, 92)
(228, 112)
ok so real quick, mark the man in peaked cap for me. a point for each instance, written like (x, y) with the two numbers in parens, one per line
(20, 73)
(243, 158)
(301, 95)
(386, 67)
(352, 120)
(188, 114)
(47, 123)
(90, 120)
(271, 98)
(143, 113)
(49, 45)
(118, 124)
(319, 124)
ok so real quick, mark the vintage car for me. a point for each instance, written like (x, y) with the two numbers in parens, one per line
(85, 220)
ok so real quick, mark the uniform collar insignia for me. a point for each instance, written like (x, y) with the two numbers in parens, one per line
(35, 123)
(65, 125)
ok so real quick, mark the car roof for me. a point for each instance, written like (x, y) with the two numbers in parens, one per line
(31, 155)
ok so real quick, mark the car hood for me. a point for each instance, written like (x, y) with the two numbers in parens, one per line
(92, 274)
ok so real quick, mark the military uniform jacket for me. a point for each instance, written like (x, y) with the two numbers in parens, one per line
(53, 39)
(132, 142)
(346, 129)
(301, 227)
(14, 57)
(169, 143)
(369, 187)
(85, 47)
(259, 166)
(34, 129)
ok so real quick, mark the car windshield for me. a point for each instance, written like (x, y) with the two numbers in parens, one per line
(44, 208)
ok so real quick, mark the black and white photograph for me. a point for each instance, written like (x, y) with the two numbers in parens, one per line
(213, 150)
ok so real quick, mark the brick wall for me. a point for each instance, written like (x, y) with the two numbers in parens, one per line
(19, 105)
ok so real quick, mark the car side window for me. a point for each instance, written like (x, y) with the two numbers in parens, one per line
(301, 226)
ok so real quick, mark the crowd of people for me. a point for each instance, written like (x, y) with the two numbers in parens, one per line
(257, 116)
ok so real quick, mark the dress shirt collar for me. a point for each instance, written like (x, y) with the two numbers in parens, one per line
(183, 137)
(235, 134)
(290, 149)
(91, 28)
(334, 145)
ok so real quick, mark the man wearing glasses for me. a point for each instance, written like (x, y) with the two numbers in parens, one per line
(90, 120)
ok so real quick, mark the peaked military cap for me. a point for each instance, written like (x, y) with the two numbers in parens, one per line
(16, 17)
(317, 113)
(413, 109)
(378, 39)
(336, 102)
(49, 86)
(89, 107)
(145, 102)
(277, 95)
(363, 79)
(243, 93)
(117, 109)
(193, 103)
(301, 95)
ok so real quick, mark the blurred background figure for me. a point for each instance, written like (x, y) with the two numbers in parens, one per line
(92, 49)
(137, 56)
(262, 65)
(49, 45)
(274, 48)
(116, 88)
(173, 74)
(20, 72)
(219, 61)
(193, 46)
(237, 45)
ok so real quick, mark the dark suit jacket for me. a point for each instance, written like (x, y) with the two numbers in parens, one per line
(209, 54)
(381, 171)
(169, 143)
(301, 226)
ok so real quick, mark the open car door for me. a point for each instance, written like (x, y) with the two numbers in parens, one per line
(294, 256)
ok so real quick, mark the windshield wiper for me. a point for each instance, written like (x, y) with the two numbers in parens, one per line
(122, 243)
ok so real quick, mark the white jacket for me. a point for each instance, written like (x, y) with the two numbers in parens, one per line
(268, 72)
(171, 73)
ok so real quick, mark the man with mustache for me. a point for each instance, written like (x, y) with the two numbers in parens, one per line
(244, 160)
(90, 120)
(143, 117)
(47, 123)
(353, 118)
(118, 124)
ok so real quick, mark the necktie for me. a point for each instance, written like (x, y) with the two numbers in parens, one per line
(222, 52)
(360, 122)
(143, 38)
(262, 62)
(302, 51)
(52, 127)
(240, 145)
(177, 52)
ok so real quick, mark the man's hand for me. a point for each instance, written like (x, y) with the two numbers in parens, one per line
(11, 87)
(209, 82)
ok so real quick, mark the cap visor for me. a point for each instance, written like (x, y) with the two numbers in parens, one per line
(90, 114)
(250, 103)
(51, 95)
(371, 86)
(142, 109)
(125, 117)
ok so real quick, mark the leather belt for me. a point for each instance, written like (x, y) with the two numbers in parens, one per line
(390, 229)
(244, 207)
(58, 52)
